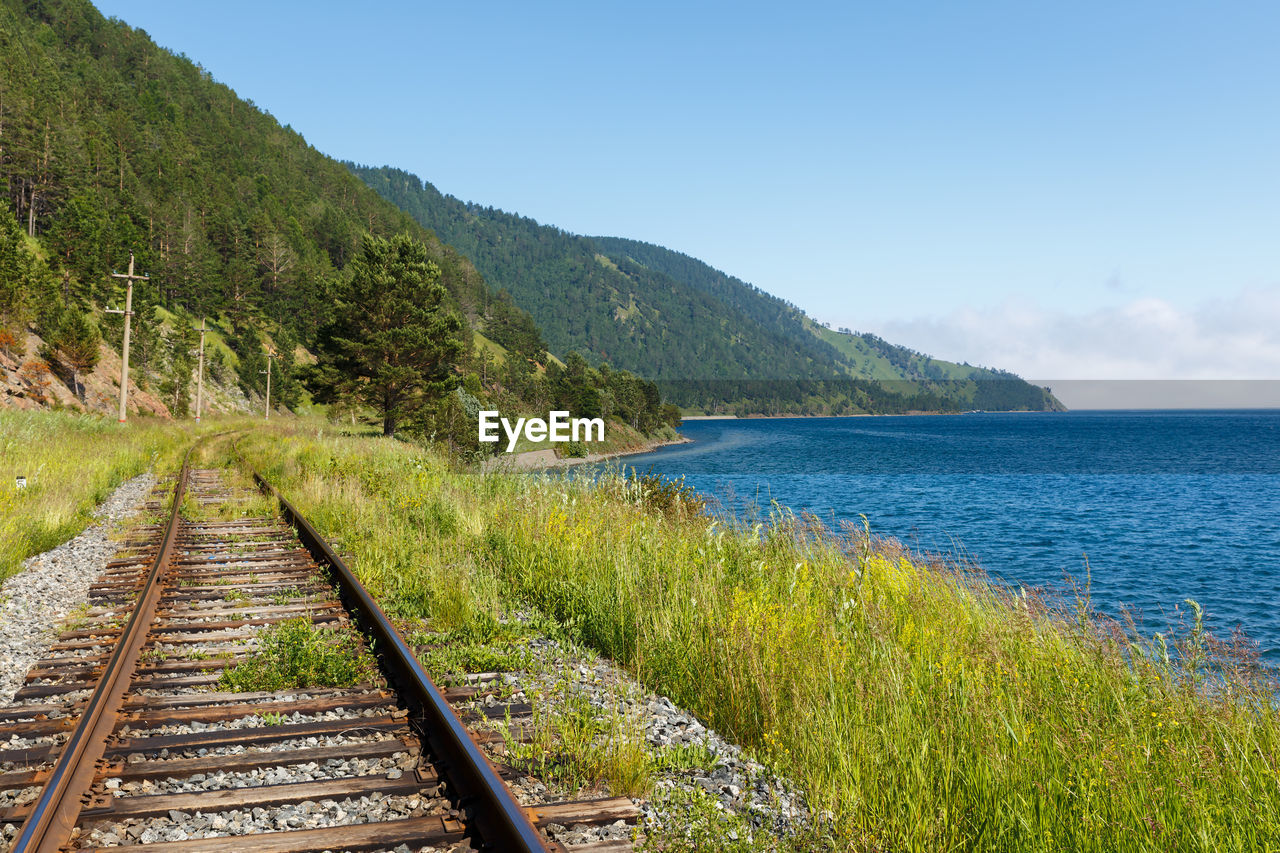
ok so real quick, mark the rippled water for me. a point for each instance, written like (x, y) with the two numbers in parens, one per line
(1166, 505)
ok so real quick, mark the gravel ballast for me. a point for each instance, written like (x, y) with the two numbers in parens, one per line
(704, 786)
(35, 601)
(768, 809)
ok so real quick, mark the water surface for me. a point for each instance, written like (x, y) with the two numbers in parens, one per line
(1165, 505)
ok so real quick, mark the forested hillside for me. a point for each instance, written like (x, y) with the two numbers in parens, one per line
(111, 146)
(613, 309)
(713, 342)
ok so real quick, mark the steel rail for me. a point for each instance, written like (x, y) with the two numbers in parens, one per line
(503, 823)
(53, 817)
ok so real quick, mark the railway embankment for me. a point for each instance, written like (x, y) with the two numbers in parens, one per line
(600, 629)
(222, 683)
(252, 708)
(917, 704)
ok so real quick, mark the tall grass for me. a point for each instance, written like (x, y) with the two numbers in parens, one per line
(71, 463)
(922, 707)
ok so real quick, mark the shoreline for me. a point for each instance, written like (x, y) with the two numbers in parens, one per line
(911, 414)
(545, 460)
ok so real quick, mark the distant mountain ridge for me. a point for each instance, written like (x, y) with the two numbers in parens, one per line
(712, 341)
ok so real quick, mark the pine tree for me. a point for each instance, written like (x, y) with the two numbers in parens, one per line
(77, 347)
(13, 296)
(394, 343)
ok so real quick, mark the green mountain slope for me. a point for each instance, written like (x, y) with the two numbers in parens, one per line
(613, 308)
(875, 358)
(110, 144)
(872, 357)
(713, 342)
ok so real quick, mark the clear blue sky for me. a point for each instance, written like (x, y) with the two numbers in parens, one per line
(980, 180)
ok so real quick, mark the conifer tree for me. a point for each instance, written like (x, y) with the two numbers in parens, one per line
(394, 343)
(13, 297)
(78, 347)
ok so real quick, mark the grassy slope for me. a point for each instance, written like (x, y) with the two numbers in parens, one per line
(499, 352)
(865, 360)
(924, 707)
(484, 345)
(72, 463)
(215, 340)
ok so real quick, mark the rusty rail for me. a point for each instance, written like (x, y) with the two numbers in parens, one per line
(504, 824)
(164, 585)
(54, 815)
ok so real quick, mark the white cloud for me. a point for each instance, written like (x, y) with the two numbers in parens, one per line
(1149, 338)
(1232, 338)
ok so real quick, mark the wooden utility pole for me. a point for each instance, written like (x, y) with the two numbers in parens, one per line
(130, 278)
(266, 416)
(200, 370)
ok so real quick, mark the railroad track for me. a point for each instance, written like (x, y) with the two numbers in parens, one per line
(122, 736)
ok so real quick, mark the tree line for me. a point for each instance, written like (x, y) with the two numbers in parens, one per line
(395, 346)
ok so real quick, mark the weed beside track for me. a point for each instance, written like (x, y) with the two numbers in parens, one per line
(921, 706)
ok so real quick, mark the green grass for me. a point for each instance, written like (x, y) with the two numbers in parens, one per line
(288, 596)
(583, 747)
(483, 344)
(693, 756)
(873, 365)
(72, 463)
(700, 824)
(248, 501)
(295, 654)
(480, 646)
(922, 707)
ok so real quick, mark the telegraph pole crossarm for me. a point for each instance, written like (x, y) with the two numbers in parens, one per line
(130, 278)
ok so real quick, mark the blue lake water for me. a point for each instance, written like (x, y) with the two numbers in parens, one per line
(1166, 505)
